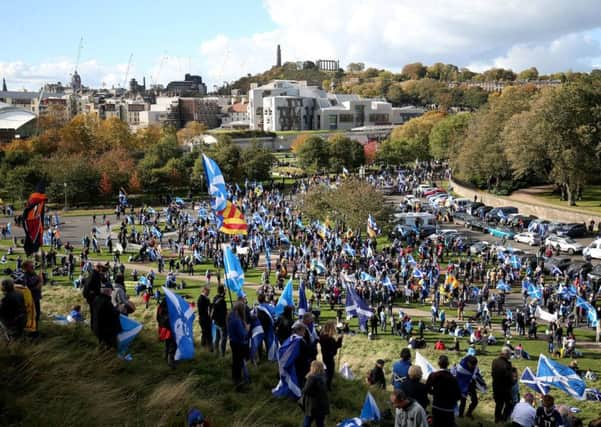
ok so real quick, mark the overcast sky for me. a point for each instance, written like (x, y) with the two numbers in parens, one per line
(223, 41)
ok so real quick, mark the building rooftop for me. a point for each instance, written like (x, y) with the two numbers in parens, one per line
(14, 117)
(14, 94)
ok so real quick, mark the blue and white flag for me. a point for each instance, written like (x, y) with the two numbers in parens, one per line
(534, 292)
(155, 232)
(285, 299)
(129, 330)
(288, 386)
(257, 334)
(181, 319)
(347, 248)
(388, 284)
(502, 286)
(234, 275)
(422, 362)
(269, 334)
(284, 240)
(258, 220)
(202, 213)
(179, 201)
(319, 267)
(410, 259)
(355, 305)
(465, 376)
(417, 273)
(515, 262)
(370, 410)
(216, 184)
(555, 270)
(299, 224)
(351, 422)
(591, 313)
(302, 299)
(554, 374)
(366, 277)
(529, 380)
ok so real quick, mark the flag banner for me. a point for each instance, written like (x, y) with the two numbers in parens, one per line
(591, 313)
(422, 362)
(554, 374)
(349, 251)
(234, 275)
(129, 331)
(288, 385)
(388, 284)
(372, 227)
(545, 315)
(181, 319)
(529, 380)
(370, 410)
(257, 335)
(231, 220)
(503, 287)
(302, 299)
(285, 299)
(216, 184)
(269, 335)
(355, 305)
(33, 222)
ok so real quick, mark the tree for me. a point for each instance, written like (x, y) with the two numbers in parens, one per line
(498, 74)
(446, 134)
(355, 67)
(313, 155)
(257, 162)
(528, 74)
(105, 185)
(414, 71)
(345, 152)
(349, 204)
(299, 141)
(134, 183)
(190, 131)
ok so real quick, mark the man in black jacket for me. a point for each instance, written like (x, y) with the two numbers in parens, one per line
(219, 316)
(91, 286)
(13, 314)
(204, 318)
(502, 381)
(105, 317)
(444, 388)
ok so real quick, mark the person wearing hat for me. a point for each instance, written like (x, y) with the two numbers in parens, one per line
(502, 381)
(524, 413)
(376, 375)
(105, 317)
(408, 413)
(445, 391)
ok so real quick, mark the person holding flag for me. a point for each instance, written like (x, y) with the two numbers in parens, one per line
(238, 330)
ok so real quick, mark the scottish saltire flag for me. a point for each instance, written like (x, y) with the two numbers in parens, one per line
(256, 337)
(179, 201)
(569, 292)
(155, 232)
(319, 267)
(288, 386)
(302, 299)
(347, 248)
(529, 380)
(372, 227)
(216, 184)
(515, 262)
(181, 319)
(367, 277)
(285, 299)
(370, 410)
(355, 305)
(503, 287)
(258, 220)
(465, 376)
(269, 335)
(234, 275)
(129, 330)
(299, 224)
(555, 270)
(350, 422)
(202, 213)
(410, 259)
(422, 362)
(122, 197)
(388, 284)
(532, 227)
(591, 313)
(534, 292)
(417, 273)
(322, 231)
(554, 374)
(283, 238)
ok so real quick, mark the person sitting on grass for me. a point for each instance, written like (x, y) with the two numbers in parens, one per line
(547, 415)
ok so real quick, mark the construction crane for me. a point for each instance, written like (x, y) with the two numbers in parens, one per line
(131, 56)
(80, 47)
(155, 78)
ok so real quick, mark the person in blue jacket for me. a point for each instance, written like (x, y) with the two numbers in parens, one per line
(400, 368)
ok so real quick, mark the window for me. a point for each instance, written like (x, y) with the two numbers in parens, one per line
(378, 118)
(346, 118)
(259, 111)
(333, 121)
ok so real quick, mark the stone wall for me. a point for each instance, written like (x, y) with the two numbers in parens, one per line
(541, 211)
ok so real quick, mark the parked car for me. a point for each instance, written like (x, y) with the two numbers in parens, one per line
(433, 191)
(573, 230)
(475, 223)
(528, 238)
(496, 214)
(558, 261)
(471, 209)
(514, 220)
(595, 276)
(482, 211)
(443, 233)
(478, 247)
(578, 267)
(565, 244)
(501, 232)
(529, 259)
(593, 250)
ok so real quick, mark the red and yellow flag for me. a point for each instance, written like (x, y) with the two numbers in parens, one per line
(233, 221)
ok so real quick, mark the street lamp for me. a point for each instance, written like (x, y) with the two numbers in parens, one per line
(65, 184)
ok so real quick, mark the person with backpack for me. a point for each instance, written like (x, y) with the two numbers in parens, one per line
(165, 333)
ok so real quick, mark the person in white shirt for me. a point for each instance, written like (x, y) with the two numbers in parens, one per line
(524, 413)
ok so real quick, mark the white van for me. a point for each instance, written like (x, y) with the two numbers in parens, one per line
(593, 250)
(415, 219)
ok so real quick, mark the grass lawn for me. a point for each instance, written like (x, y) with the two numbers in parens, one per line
(591, 199)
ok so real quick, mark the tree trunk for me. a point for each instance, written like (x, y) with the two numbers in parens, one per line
(571, 195)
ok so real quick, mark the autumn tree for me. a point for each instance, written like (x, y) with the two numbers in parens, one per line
(414, 71)
(105, 186)
(192, 130)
